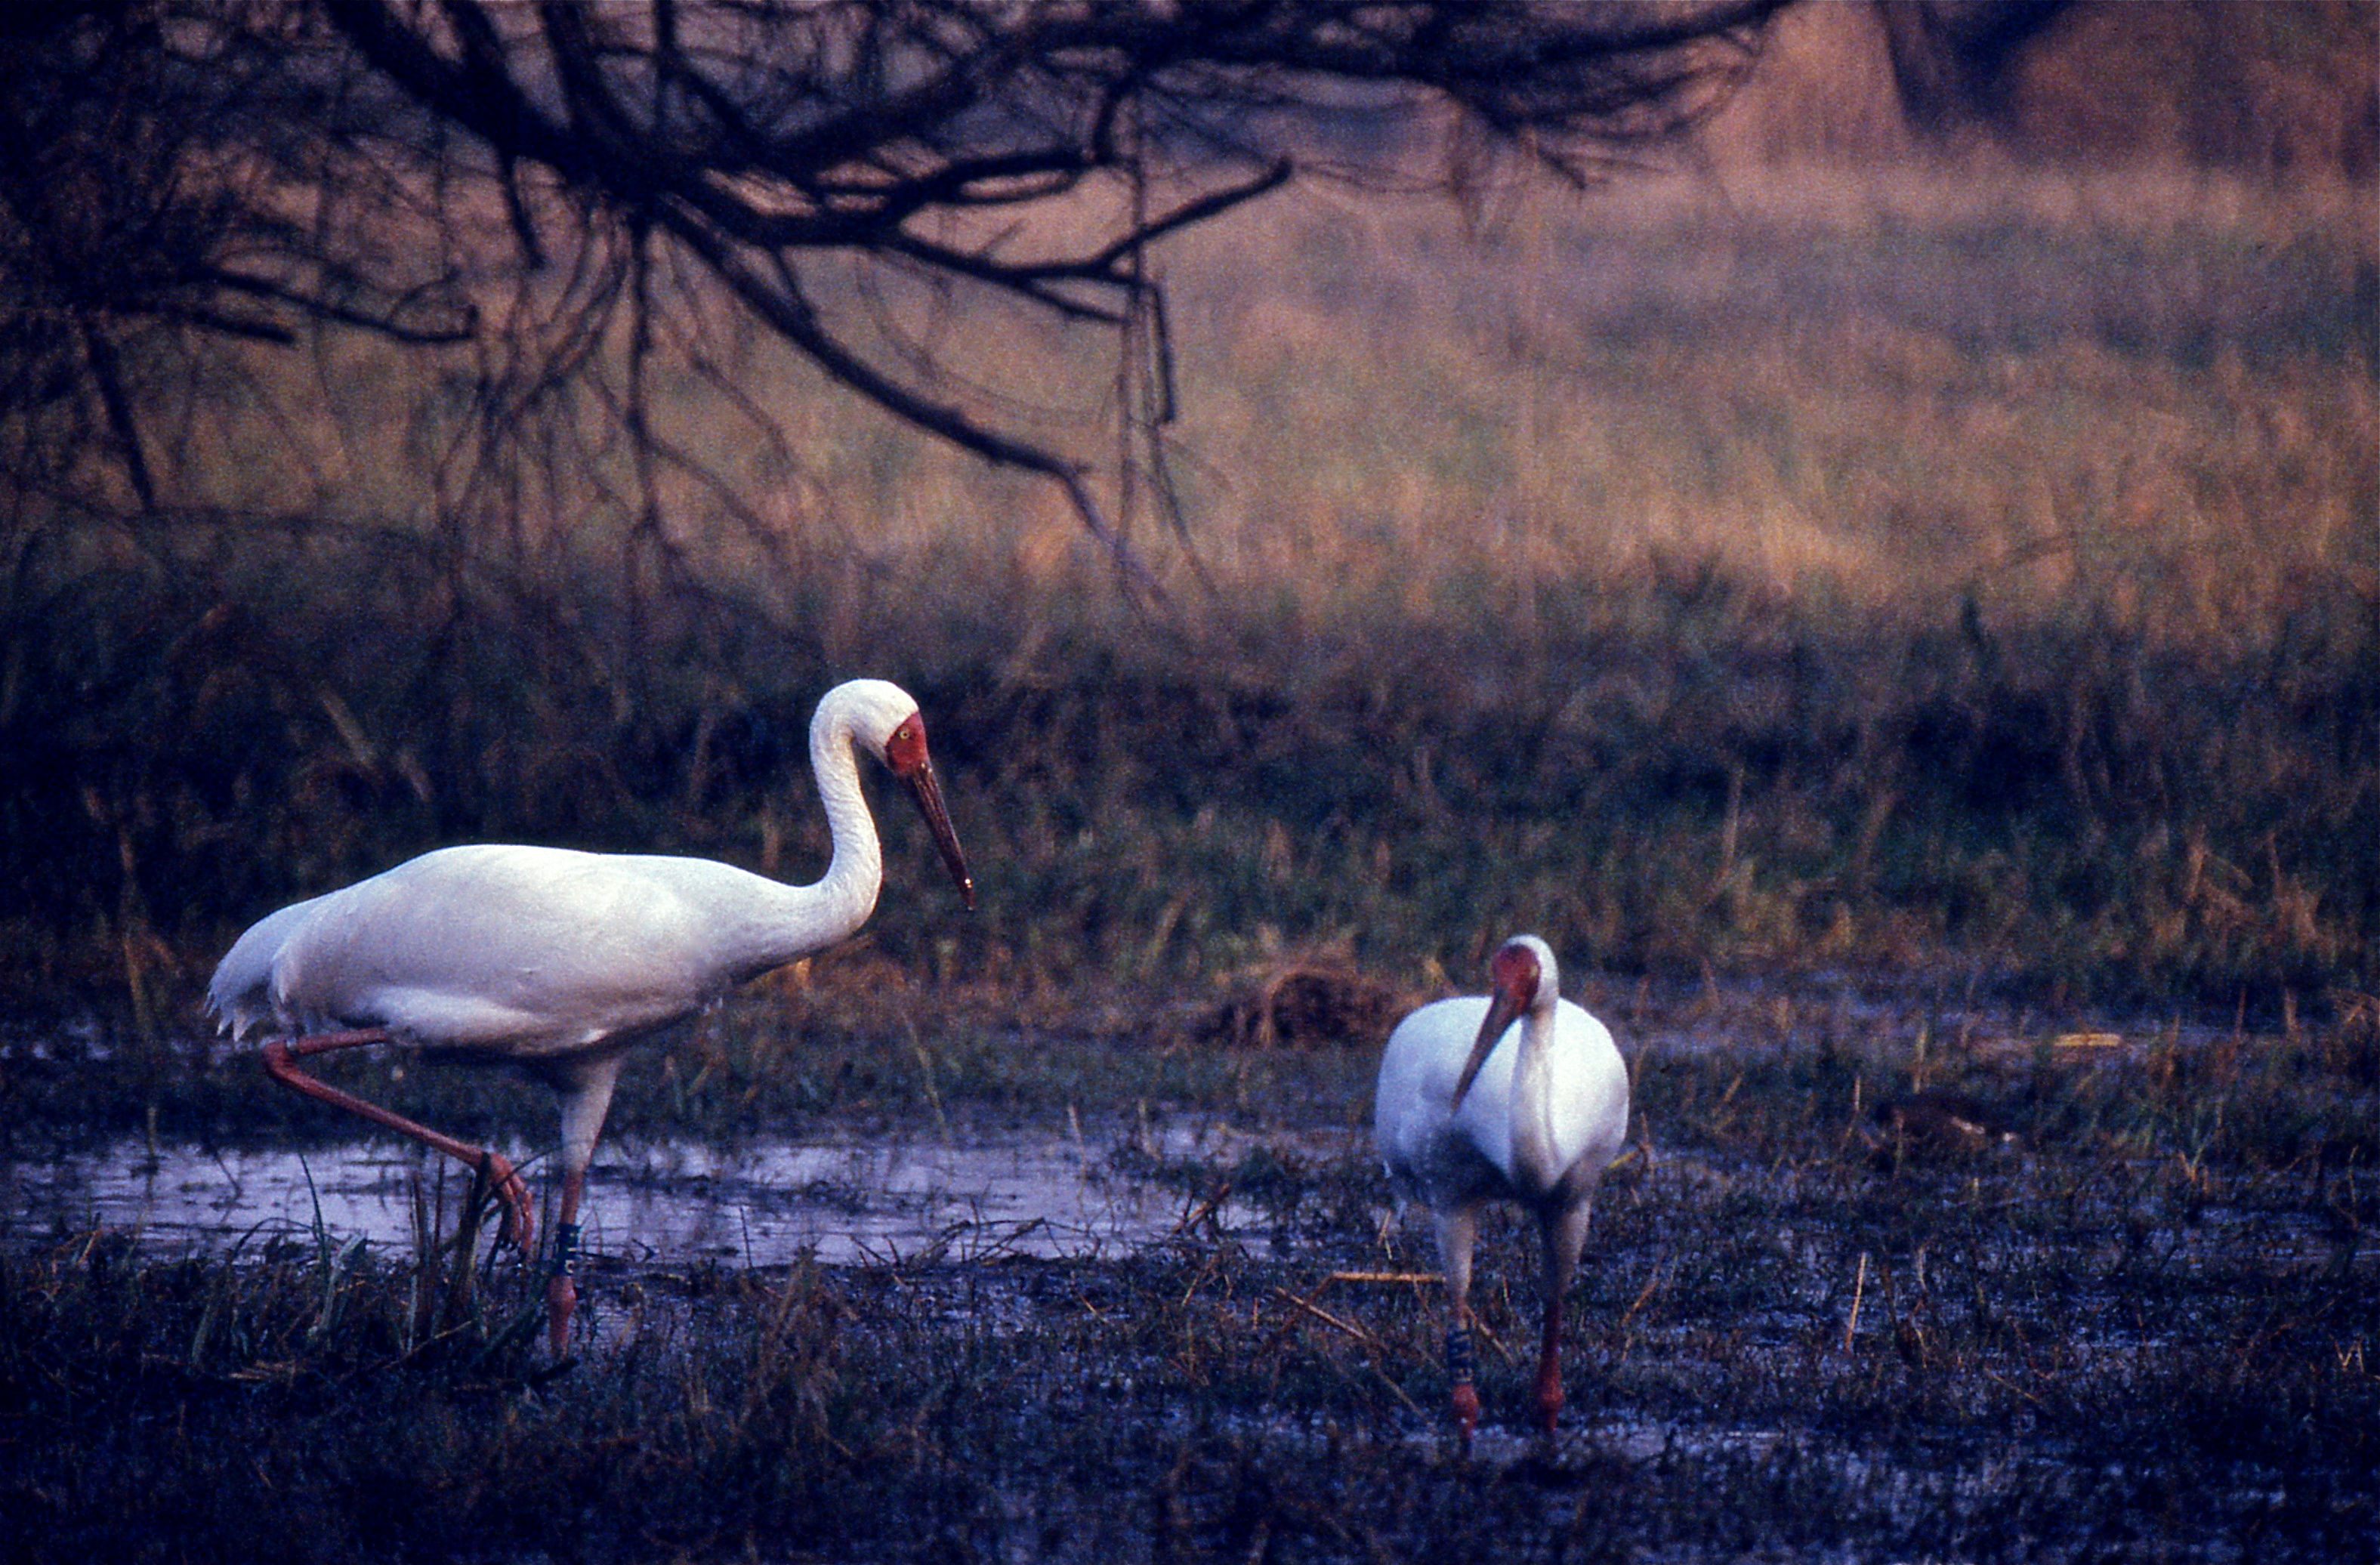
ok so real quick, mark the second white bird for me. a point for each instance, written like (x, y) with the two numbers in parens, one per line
(1514, 1095)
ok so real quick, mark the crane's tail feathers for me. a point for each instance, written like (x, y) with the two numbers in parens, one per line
(240, 993)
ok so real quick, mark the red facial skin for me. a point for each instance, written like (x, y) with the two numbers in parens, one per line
(904, 754)
(1513, 971)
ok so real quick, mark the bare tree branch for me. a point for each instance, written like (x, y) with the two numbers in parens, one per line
(306, 138)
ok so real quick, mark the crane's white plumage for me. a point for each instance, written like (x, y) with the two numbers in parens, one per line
(560, 961)
(1515, 1096)
(533, 952)
(537, 951)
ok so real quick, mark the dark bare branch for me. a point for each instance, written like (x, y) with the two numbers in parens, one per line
(760, 139)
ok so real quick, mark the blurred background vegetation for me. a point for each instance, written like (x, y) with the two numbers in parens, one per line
(1881, 536)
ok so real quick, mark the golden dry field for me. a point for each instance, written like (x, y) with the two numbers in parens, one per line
(1802, 568)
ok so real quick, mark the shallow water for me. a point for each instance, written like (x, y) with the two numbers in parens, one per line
(761, 1203)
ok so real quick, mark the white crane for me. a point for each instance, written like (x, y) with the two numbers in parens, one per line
(1474, 1109)
(559, 962)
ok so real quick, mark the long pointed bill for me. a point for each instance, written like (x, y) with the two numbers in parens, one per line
(928, 795)
(1503, 1012)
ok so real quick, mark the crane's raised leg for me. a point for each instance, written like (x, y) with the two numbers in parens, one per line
(281, 1057)
(1565, 1240)
(1458, 1229)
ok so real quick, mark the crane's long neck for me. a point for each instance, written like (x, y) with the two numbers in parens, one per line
(771, 923)
(840, 903)
(1532, 1102)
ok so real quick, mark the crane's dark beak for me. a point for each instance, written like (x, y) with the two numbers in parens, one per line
(1503, 1012)
(928, 794)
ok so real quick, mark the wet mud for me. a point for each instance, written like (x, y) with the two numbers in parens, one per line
(1868, 1284)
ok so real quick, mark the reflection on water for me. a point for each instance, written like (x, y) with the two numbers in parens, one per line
(761, 1204)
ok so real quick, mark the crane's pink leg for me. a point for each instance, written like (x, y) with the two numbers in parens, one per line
(1458, 1228)
(561, 1288)
(586, 1088)
(1550, 1386)
(1565, 1239)
(280, 1060)
(1462, 1392)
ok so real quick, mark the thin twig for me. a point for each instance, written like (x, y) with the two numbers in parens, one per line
(1327, 1319)
(1419, 1277)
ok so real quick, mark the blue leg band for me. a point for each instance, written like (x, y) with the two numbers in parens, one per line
(1458, 1354)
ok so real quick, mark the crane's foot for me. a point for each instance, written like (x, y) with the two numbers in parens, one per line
(1466, 1413)
(1549, 1394)
(519, 1225)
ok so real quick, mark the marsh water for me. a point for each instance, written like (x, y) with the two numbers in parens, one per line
(844, 1201)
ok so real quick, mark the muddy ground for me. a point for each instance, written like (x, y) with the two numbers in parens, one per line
(2132, 1320)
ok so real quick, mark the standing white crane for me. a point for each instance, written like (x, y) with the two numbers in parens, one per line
(1472, 1109)
(558, 962)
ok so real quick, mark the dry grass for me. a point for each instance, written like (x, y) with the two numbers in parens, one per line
(1806, 573)
(1889, 405)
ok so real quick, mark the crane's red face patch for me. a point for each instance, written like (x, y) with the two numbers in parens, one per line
(904, 751)
(1513, 971)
